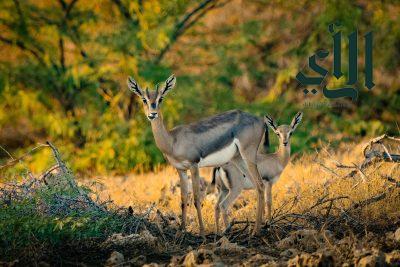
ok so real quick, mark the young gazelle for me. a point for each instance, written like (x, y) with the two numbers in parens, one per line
(211, 142)
(230, 181)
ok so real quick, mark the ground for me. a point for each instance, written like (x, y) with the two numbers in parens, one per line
(328, 210)
(319, 197)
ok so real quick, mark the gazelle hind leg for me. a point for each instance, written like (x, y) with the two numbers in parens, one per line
(221, 196)
(196, 196)
(227, 202)
(268, 199)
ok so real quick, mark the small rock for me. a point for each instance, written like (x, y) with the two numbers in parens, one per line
(315, 259)
(307, 240)
(389, 235)
(224, 246)
(393, 258)
(290, 253)
(115, 259)
(370, 261)
(144, 240)
(201, 256)
(138, 261)
(397, 235)
(258, 260)
(370, 258)
(190, 259)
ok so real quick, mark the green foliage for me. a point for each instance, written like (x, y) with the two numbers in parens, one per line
(38, 220)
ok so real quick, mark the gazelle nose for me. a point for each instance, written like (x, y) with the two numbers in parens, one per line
(152, 115)
(285, 143)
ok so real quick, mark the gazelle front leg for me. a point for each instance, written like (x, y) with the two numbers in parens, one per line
(184, 196)
(196, 196)
(268, 198)
(259, 185)
(249, 156)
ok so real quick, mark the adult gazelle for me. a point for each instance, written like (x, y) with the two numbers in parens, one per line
(210, 142)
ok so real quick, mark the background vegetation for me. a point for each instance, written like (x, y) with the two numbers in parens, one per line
(64, 64)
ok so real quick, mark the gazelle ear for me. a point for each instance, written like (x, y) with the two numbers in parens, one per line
(169, 84)
(270, 122)
(134, 87)
(296, 120)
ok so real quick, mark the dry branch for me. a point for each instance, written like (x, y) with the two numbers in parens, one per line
(369, 152)
(16, 160)
(368, 201)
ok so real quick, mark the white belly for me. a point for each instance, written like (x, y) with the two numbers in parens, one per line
(220, 157)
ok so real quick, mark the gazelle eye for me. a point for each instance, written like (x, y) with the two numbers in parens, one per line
(290, 134)
(160, 100)
(144, 100)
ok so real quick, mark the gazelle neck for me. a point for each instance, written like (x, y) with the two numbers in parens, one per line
(161, 134)
(283, 153)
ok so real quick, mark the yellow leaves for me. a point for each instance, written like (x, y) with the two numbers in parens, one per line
(379, 15)
(78, 71)
(162, 39)
(107, 151)
(134, 7)
(58, 125)
(84, 163)
(372, 127)
(152, 33)
(99, 156)
(172, 109)
(153, 6)
(129, 65)
(40, 161)
(29, 112)
(283, 78)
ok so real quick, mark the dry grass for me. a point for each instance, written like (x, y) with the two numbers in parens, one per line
(304, 180)
(321, 213)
